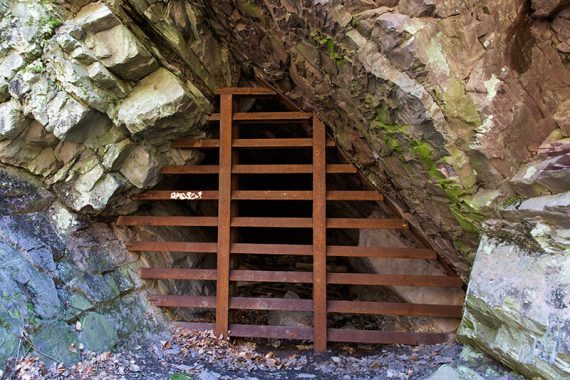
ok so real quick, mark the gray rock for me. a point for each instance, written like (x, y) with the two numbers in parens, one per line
(56, 341)
(98, 333)
(516, 308)
(120, 51)
(417, 8)
(12, 120)
(141, 167)
(96, 17)
(66, 114)
(158, 96)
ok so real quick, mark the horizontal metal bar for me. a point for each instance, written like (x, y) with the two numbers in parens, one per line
(350, 307)
(393, 308)
(265, 116)
(245, 91)
(396, 224)
(334, 335)
(236, 303)
(269, 222)
(381, 252)
(394, 280)
(240, 195)
(285, 249)
(248, 143)
(173, 221)
(258, 169)
(171, 246)
(177, 274)
(305, 277)
(387, 337)
(271, 332)
(271, 276)
(190, 169)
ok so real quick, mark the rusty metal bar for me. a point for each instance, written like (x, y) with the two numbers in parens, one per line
(271, 332)
(349, 307)
(245, 91)
(319, 237)
(284, 249)
(171, 246)
(394, 280)
(257, 169)
(393, 308)
(275, 117)
(387, 337)
(271, 276)
(173, 221)
(224, 215)
(241, 195)
(249, 143)
(177, 274)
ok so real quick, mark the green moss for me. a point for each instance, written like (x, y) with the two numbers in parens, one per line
(36, 69)
(252, 10)
(51, 23)
(328, 43)
(458, 105)
(180, 376)
(513, 200)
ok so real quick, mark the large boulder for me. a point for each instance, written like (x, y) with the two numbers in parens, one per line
(516, 308)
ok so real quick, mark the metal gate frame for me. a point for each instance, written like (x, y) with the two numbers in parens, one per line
(227, 221)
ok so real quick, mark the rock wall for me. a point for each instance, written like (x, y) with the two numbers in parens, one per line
(457, 110)
(440, 103)
(87, 110)
(68, 284)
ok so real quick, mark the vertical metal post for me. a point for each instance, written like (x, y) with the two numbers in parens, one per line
(224, 215)
(319, 237)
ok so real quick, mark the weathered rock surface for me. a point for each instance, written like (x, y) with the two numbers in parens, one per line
(517, 308)
(53, 274)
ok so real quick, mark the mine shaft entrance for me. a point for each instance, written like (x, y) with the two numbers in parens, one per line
(279, 191)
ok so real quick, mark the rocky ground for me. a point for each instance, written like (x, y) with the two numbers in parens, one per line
(193, 355)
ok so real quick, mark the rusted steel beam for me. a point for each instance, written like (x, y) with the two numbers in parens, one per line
(249, 143)
(224, 215)
(257, 169)
(271, 249)
(272, 332)
(396, 224)
(177, 274)
(391, 308)
(381, 252)
(245, 91)
(319, 237)
(240, 195)
(190, 169)
(290, 169)
(284, 249)
(354, 196)
(394, 280)
(237, 303)
(268, 117)
(387, 337)
(271, 276)
(171, 246)
(200, 302)
(271, 222)
(181, 195)
(248, 303)
(173, 221)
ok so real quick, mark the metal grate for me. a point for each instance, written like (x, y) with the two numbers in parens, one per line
(227, 221)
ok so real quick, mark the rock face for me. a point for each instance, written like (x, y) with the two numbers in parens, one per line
(458, 111)
(55, 271)
(517, 308)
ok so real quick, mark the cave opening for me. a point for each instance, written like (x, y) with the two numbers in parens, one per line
(299, 312)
